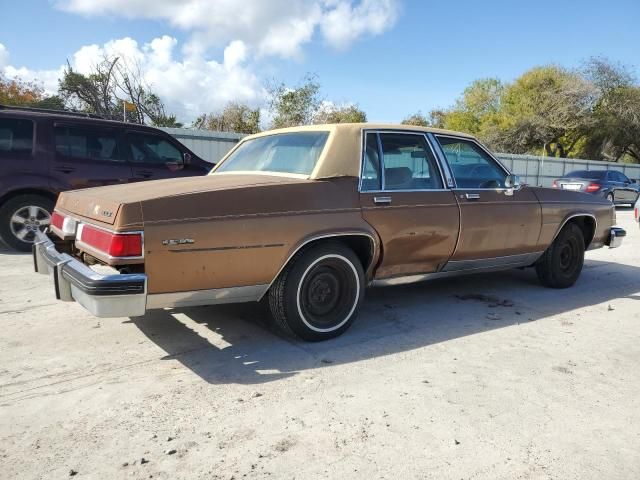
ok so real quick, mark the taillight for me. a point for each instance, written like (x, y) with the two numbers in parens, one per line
(592, 187)
(554, 185)
(57, 220)
(113, 244)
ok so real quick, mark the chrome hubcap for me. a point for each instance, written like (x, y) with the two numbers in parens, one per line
(26, 221)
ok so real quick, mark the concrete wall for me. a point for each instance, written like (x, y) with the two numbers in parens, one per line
(212, 146)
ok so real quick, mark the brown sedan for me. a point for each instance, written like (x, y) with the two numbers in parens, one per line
(309, 217)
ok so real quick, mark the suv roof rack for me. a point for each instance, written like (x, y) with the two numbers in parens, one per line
(72, 113)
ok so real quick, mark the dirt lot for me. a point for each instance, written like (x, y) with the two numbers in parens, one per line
(434, 380)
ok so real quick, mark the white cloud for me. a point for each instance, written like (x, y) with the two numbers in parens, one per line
(188, 87)
(4, 56)
(270, 27)
(185, 76)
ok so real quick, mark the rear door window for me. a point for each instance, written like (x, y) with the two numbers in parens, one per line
(16, 136)
(153, 149)
(87, 143)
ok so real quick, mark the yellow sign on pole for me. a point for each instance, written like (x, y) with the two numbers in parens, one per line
(129, 107)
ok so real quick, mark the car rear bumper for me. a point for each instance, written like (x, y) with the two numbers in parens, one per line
(119, 295)
(616, 235)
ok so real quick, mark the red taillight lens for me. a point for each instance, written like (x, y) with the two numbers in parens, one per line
(57, 220)
(555, 184)
(592, 187)
(113, 244)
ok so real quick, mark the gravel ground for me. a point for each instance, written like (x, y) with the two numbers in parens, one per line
(483, 377)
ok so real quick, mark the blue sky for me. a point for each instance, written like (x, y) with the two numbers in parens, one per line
(421, 59)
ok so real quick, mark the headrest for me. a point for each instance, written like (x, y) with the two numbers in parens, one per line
(397, 175)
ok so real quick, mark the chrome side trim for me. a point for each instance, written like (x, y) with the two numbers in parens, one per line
(251, 293)
(377, 132)
(531, 258)
(508, 261)
(442, 159)
(374, 246)
(595, 220)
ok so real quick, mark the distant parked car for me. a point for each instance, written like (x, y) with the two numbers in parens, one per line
(45, 152)
(610, 184)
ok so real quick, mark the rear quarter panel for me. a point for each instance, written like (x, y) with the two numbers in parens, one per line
(559, 205)
(241, 237)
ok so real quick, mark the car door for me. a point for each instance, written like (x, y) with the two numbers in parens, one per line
(87, 156)
(625, 191)
(152, 157)
(403, 196)
(499, 226)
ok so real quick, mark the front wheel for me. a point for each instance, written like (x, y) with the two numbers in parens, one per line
(318, 294)
(561, 263)
(610, 197)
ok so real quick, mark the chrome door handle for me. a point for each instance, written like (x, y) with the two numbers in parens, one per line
(472, 196)
(382, 200)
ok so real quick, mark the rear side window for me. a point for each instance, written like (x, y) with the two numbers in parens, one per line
(16, 135)
(152, 149)
(82, 142)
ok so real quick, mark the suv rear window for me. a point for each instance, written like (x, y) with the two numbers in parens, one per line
(79, 142)
(16, 135)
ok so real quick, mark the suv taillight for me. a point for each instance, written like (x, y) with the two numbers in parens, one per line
(113, 244)
(57, 220)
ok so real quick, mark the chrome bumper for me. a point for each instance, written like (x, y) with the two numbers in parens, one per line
(616, 235)
(103, 295)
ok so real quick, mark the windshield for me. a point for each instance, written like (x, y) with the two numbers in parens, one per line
(590, 174)
(295, 153)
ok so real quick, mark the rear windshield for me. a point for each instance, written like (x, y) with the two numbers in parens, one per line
(591, 174)
(295, 153)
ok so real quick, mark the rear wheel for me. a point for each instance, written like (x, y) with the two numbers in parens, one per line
(317, 296)
(21, 217)
(561, 263)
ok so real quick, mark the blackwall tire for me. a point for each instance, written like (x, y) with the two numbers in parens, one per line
(561, 264)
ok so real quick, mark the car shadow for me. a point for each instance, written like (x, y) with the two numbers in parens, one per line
(232, 343)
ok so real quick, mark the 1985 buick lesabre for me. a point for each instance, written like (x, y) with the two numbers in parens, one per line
(307, 218)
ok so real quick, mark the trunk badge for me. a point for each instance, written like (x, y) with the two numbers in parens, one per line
(178, 241)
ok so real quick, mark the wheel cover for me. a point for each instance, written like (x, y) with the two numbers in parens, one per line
(569, 255)
(27, 220)
(328, 293)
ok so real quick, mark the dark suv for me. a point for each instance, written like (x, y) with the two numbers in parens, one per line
(44, 152)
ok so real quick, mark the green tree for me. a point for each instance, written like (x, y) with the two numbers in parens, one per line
(294, 106)
(417, 119)
(18, 92)
(616, 133)
(111, 83)
(339, 114)
(235, 117)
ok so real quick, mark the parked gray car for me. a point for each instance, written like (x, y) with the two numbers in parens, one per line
(610, 184)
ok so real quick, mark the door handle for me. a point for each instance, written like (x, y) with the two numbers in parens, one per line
(472, 196)
(144, 173)
(382, 200)
(64, 169)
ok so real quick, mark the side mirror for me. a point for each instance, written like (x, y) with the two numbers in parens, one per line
(186, 159)
(632, 180)
(512, 182)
